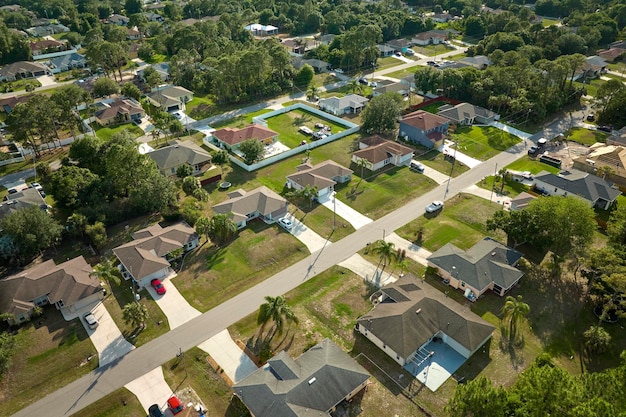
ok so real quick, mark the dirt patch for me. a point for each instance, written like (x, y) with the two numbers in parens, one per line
(566, 152)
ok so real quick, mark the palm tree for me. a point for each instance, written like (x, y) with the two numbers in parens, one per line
(107, 270)
(386, 252)
(605, 171)
(275, 309)
(504, 175)
(221, 228)
(312, 91)
(355, 86)
(203, 227)
(514, 310)
(363, 163)
(136, 314)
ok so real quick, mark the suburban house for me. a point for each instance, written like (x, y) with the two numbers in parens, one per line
(399, 45)
(522, 201)
(424, 128)
(441, 17)
(169, 158)
(230, 138)
(315, 384)
(133, 34)
(48, 46)
(420, 328)
(618, 138)
(352, 103)
(431, 37)
(618, 45)
(118, 19)
(120, 111)
(380, 152)
(262, 30)
(611, 54)
(593, 67)
(67, 62)
(22, 199)
(324, 176)
(154, 17)
(296, 46)
(69, 286)
(385, 50)
(601, 155)
(8, 104)
(488, 265)
(162, 68)
(317, 64)
(391, 87)
(148, 256)
(594, 190)
(244, 206)
(47, 30)
(326, 39)
(480, 62)
(23, 69)
(170, 98)
(467, 114)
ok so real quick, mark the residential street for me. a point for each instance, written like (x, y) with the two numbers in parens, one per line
(105, 380)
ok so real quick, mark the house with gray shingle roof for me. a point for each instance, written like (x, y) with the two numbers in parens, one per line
(467, 114)
(148, 256)
(68, 286)
(594, 190)
(314, 384)
(170, 98)
(23, 69)
(352, 103)
(411, 321)
(244, 206)
(488, 265)
(22, 199)
(169, 158)
(67, 62)
(323, 176)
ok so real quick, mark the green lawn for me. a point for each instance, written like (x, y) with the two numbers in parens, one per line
(436, 160)
(200, 107)
(534, 166)
(18, 85)
(432, 50)
(54, 350)
(105, 133)
(214, 274)
(403, 73)
(387, 62)
(482, 142)
(585, 136)
(433, 107)
(46, 156)
(591, 86)
(545, 22)
(287, 125)
(240, 121)
(511, 187)
(461, 222)
(118, 403)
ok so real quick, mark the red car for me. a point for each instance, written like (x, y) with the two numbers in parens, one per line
(158, 286)
(175, 405)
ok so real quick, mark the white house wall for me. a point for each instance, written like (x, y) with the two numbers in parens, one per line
(463, 351)
(372, 338)
(145, 281)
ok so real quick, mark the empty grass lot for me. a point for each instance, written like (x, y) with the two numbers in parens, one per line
(200, 107)
(483, 142)
(403, 73)
(105, 133)
(213, 274)
(432, 50)
(436, 160)
(46, 356)
(585, 136)
(461, 222)
(511, 187)
(591, 86)
(532, 165)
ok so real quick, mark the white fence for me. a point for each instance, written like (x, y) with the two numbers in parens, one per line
(11, 161)
(351, 128)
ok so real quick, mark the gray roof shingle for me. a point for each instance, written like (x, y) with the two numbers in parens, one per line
(180, 153)
(582, 184)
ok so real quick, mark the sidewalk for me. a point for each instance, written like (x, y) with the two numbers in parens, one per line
(458, 155)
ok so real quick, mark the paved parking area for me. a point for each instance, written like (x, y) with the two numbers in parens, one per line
(106, 338)
(356, 219)
(312, 240)
(173, 304)
(234, 361)
(151, 388)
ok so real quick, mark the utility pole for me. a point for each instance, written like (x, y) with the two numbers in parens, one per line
(495, 171)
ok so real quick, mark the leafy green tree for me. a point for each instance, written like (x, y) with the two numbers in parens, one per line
(135, 314)
(133, 6)
(381, 113)
(184, 170)
(513, 311)
(76, 225)
(597, 339)
(32, 230)
(107, 271)
(304, 77)
(191, 184)
(221, 228)
(220, 158)
(131, 90)
(72, 186)
(253, 150)
(103, 87)
(97, 233)
(478, 397)
(152, 77)
(7, 347)
(203, 227)
(276, 310)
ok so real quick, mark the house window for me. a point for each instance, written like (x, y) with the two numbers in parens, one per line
(462, 284)
(173, 170)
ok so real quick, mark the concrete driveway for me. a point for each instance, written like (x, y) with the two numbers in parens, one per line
(356, 219)
(413, 251)
(151, 388)
(173, 304)
(46, 80)
(433, 174)
(368, 271)
(106, 338)
(460, 156)
(234, 361)
(312, 240)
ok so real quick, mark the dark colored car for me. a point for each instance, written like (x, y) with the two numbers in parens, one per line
(605, 129)
(175, 405)
(158, 286)
(591, 117)
(155, 411)
(533, 150)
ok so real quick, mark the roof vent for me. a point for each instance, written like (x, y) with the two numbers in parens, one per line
(493, 253)
(312, 380)
(419, 310)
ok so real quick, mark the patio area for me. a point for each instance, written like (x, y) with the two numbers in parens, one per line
(434, 364)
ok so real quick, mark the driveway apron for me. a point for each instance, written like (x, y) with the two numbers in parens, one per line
(151, 388)
(356, 219)
(106, 338)
(173, 304)
(234, 361)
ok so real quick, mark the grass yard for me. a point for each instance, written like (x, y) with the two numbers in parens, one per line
(462, 223)
(324, 78)
(118, 403)
(105, 133)
(591, 86)
(533, 166)
(433, 107)
(482, 142)
(287, 125)
(384, 192)
(403, 73)
(387, 62)
(435, 160)
(49, 353)
(213, 274)
(545, 22)
(121, 295)
(512, 188)
(46, 156)
(585, 136)
(240, 121)
(200, 107)
(432, 50)
(321, 220)
(327, 306)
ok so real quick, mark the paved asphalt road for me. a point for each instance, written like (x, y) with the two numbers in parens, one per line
(17, 177)
(101, 382)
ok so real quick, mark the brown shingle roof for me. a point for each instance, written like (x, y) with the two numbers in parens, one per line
(381, 149)
(233, 136)
(242, 203)
(424, 120)
(121, 106)
(320, 175)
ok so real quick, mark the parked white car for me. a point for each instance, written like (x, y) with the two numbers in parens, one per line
(286, 223)
(434, 206)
